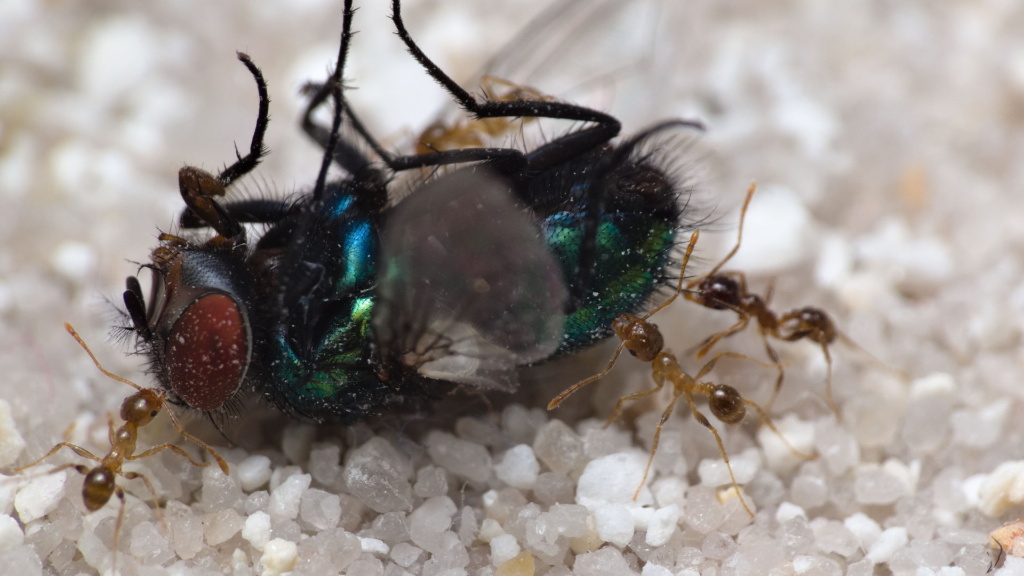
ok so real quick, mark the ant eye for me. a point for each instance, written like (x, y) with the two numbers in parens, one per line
(208, 352)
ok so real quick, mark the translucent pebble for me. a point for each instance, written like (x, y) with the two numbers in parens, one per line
(833, 537)
(366, 566)
(552, 488)
(253, 472)
(329, 552)
(655, 570)
(837, 447)
(279, 556)
(604, 562)
(21, 560)
(463, 458)
(875, 485)
(670, 490)
(778, 456)
(521, 423)
(521, 565)
(11, 535)
(888, 542)
(257, 502)
(569, 519)
(391, 527)
(8, 490)
(148, 543)
(186, 529)
(286, 498)
(864, 529)
(718, 546)
(220, 527)
(11, 442)
(429, 522)
(788, 511)
(613, 479)
(816, 566)
(219, 490)
(430, 481)
(482, 431)
(379, 475)
(40, 496)
(614, 524)
(662, 525)
(257, 529)
(503, 549)
(405, 554)
(978, 429)
(809, 491)
(490, 529)
(1002, 488)
(296, 442)
(754, 557)
(703, 512)
(468, 526)
(325, 464)
(518, 467)
(451, 561)
(321, 510)
(559, 447)
(862, 567)
(926, 424)
(715, 472)
(374, 546)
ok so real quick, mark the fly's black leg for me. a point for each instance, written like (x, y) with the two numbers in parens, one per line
(561, 150)
(200, 188)
(257, 210)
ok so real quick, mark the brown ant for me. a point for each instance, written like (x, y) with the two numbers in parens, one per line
(728, 290)
(644, 341)
(137, 410)
(470, 133)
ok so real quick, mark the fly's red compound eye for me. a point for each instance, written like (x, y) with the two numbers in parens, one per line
(208, 352)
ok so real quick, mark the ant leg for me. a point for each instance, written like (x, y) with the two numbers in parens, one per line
(721, 448)
(659, 383)
(768, 422)
(654, 443)
(739, 235)
(170, 447)
(828, 382)
(572, 389)
(77, 449)
(181, 430)
(774, 357)
(710, 341)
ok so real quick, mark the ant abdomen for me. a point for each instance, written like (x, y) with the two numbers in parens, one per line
(727, 404)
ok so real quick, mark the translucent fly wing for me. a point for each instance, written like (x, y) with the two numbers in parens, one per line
(606, 54)
(468, 289)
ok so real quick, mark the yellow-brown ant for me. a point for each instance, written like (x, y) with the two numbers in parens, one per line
(137, 410)
(728, 290)
(472, 133)
(644, 341)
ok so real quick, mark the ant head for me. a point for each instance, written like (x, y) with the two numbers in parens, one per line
(642, 338)
(140, 408)
(719, 292)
